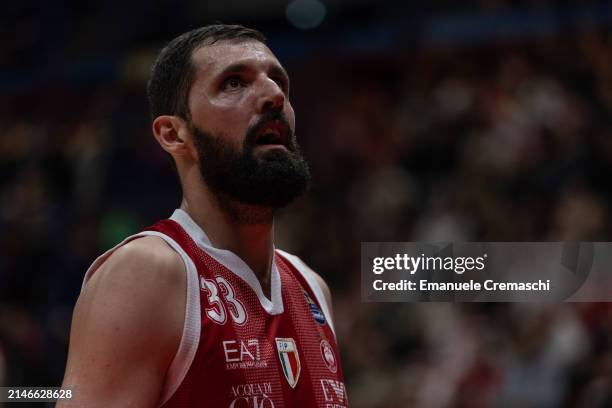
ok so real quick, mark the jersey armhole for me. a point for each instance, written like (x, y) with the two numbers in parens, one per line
(311, 280)
(190, 337)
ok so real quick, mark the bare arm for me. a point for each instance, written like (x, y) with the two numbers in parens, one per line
(126, 327)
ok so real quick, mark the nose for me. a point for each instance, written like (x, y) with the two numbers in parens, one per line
(271, 97)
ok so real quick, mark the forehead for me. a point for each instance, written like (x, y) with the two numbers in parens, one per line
(213, 59)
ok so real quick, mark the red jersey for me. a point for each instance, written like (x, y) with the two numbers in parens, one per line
(240, 349)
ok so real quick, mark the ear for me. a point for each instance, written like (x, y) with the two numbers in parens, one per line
(172, 134)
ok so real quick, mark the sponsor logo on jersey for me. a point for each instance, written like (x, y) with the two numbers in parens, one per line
(334, 393)
(243, 354)
(289, 359)
(251, 395)
(327, 352)
(314, 309)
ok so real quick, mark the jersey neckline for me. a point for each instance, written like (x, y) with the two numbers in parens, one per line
(234, 263)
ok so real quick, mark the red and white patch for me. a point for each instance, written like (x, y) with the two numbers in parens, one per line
(328, 356)
(290, 360)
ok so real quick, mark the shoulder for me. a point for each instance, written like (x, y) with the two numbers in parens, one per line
(141, 279)
(143, 276)
(128, 321)
(147, 260)
(310, 275)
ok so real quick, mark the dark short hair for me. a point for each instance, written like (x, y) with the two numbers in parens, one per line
(173, 73)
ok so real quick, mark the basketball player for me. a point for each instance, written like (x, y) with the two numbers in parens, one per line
(201, 310)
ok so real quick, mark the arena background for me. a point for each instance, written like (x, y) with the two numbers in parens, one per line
(481, 120)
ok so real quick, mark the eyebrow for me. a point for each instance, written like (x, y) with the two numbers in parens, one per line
(235, 68)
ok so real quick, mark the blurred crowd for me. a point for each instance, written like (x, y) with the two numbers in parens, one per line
(502, 141)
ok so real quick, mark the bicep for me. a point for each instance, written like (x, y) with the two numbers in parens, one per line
(126, 328)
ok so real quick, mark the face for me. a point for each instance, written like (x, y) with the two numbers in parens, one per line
(243, 125)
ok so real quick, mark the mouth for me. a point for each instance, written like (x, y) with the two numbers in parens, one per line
(273, 133)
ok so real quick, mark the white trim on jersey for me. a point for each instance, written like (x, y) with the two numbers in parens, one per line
(309, 276)
(235, 264)
(190, 338)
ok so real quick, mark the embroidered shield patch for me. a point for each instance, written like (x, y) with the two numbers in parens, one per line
(289, 359)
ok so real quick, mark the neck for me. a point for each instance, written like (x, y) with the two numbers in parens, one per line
(247, 231)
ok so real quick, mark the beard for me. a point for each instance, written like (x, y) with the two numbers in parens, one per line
(269, 179)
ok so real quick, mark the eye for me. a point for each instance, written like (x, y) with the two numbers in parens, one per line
(232, 83)
(282, 83)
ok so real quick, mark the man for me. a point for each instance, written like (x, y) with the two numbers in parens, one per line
(200, 310)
